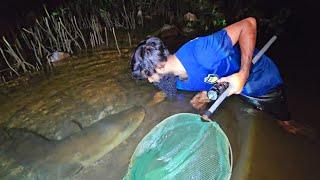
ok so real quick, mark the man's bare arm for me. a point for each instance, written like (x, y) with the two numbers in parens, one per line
(242, 32)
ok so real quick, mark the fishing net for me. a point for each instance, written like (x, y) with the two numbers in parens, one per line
(182, 147)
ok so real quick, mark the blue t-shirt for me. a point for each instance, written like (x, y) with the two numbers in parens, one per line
(210, 57)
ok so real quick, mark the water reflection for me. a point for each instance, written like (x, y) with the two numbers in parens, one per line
(88, 89)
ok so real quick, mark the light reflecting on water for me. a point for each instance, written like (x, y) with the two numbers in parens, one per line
(86, 89)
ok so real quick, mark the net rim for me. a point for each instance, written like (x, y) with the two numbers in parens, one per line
(161, 124)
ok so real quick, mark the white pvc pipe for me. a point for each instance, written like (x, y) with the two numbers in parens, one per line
(264, 49)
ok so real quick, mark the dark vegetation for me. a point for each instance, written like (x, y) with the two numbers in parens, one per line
(75, 26)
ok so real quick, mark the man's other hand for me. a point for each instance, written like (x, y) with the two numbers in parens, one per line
(236, 82)
(200, 100)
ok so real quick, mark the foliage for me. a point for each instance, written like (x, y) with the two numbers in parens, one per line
(210, 17)
(77, 24)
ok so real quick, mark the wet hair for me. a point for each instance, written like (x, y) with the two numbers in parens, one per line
(148, 54)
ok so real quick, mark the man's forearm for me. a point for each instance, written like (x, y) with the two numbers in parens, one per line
(247, 42)
(242, 32)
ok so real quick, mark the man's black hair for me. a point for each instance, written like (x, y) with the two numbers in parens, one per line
(148, 54)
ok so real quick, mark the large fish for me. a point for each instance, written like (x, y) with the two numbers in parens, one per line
(25, 155)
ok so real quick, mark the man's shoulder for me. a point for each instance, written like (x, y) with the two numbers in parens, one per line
(203, 40)
(187, 47)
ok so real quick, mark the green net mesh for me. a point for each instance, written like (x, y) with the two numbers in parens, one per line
(182, 147)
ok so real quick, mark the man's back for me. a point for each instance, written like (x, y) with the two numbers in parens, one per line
(214, 56)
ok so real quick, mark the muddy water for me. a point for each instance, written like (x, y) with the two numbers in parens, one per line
(79, 92)
(86, 90)
(39, 117)
(278, 155)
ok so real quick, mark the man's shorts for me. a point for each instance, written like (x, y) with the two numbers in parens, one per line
(274, 103)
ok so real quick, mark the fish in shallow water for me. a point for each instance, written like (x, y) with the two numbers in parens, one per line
(25, 155)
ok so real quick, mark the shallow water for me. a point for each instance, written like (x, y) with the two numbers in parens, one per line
(86, 89)
(79, 92)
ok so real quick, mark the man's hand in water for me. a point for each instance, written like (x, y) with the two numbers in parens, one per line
(200, 100)
(236, 82)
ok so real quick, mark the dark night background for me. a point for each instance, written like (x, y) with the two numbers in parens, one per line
(296, 49)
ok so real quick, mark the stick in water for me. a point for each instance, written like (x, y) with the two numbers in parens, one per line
(115, 38)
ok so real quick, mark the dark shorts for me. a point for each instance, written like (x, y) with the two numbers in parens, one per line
(274, 103)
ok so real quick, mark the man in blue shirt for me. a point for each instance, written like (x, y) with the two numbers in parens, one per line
(224, 56)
